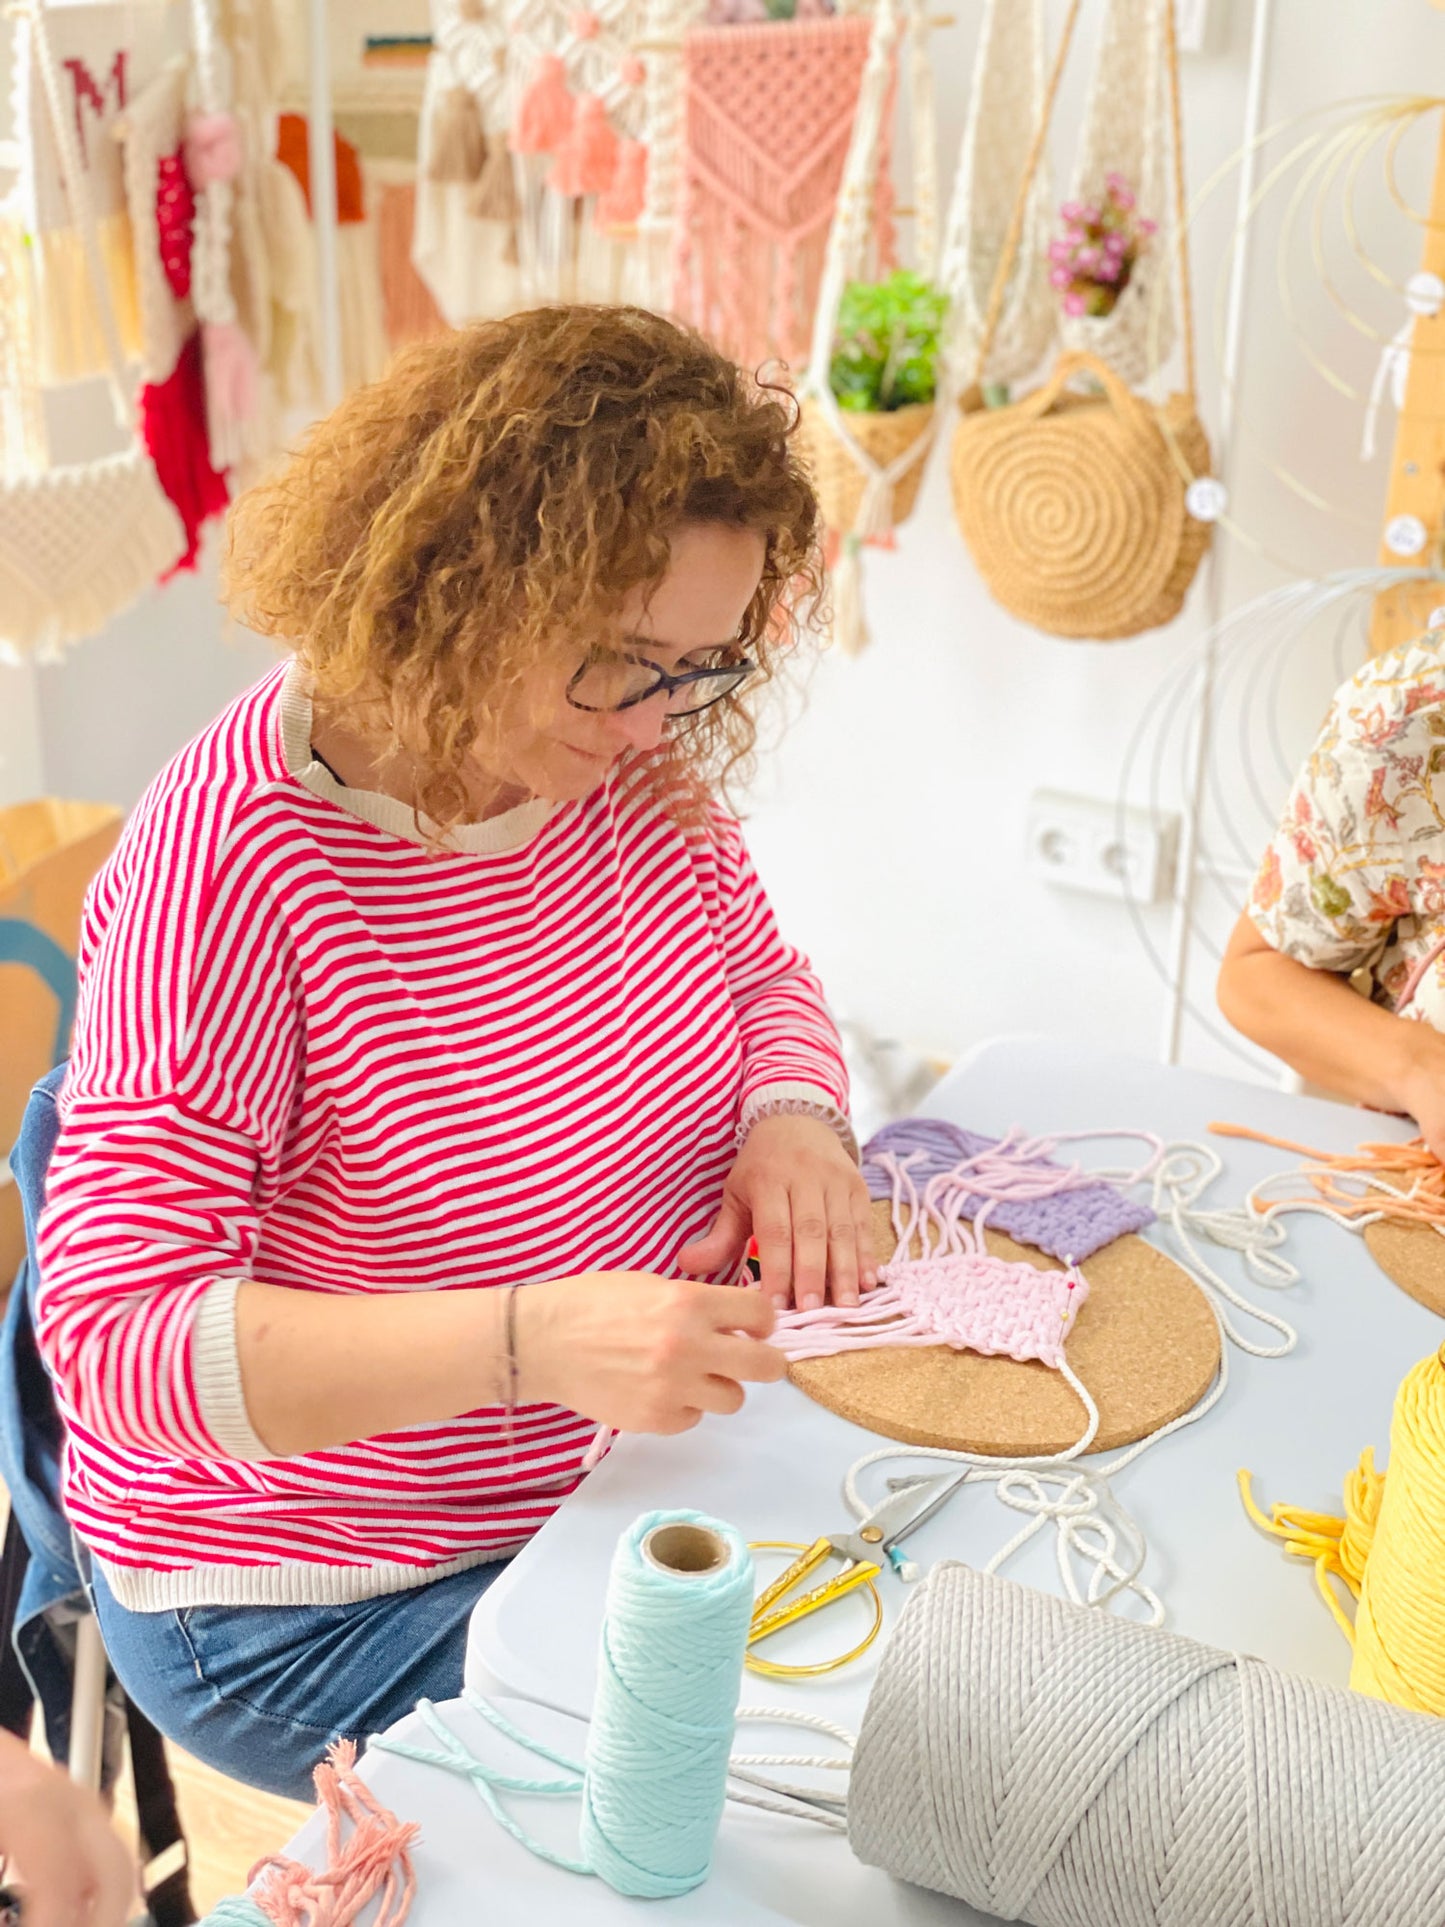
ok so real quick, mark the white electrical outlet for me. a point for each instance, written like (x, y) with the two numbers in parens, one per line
(1088, 843)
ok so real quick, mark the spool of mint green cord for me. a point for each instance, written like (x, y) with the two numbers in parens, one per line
(679, 1602)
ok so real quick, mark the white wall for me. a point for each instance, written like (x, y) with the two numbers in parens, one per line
(890, 822)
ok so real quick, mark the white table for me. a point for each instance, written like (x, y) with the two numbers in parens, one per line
(775, 1472)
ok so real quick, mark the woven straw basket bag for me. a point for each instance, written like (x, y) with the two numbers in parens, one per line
(839, 480)
(1074, 504)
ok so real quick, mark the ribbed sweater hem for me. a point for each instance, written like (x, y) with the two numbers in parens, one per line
(293, 1582)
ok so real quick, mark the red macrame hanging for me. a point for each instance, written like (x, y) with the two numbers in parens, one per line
(767, 115)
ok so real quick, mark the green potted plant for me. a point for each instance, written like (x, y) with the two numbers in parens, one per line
(884, 377)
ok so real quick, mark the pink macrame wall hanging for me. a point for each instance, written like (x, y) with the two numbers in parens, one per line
(767, 117)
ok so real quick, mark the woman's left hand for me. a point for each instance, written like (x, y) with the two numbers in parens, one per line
(796, 1190)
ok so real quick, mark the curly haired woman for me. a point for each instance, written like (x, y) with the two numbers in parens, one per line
(436, 1038)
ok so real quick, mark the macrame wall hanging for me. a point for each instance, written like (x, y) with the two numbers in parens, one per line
(364, 346)
(664, 26)
(768, 115)
(78, 543)
(868, 466)
(464, 244)
(575, 105)
(1006, 104)
(105, 55)
(1073, 500)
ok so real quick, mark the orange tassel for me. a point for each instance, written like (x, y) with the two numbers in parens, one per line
(588, 157)
(546, 110)
(620, 205)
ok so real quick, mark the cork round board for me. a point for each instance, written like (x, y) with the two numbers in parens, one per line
(1413, 1255)
(1145, 1343)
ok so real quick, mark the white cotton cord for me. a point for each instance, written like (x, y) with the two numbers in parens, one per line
(1185, 1173)
(824, 1808)
(1091, 1528)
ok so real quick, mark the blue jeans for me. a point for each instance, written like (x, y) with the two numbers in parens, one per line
(259, 1692)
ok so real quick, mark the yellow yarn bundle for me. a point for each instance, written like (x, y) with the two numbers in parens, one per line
(1389, 1549)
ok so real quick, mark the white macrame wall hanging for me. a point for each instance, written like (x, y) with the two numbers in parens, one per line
(81, 542)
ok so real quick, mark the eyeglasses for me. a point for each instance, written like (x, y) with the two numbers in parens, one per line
(612, 682)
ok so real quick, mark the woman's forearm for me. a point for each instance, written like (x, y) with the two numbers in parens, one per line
(319, 1369)
(1322, 1028)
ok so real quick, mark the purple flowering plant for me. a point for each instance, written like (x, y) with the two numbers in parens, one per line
(1095, 253)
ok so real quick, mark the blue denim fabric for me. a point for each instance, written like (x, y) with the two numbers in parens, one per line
(259, 1692)
(31, 1437)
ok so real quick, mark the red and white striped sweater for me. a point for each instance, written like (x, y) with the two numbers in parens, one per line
(312, 1051)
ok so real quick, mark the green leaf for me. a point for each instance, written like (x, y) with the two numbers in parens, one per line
(1330, 897)
(886, 348)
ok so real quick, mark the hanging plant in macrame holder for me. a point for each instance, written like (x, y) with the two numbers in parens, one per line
(875, 343)
(1126, 140)
(1073, 501)
(1005, 107)
(768, 115)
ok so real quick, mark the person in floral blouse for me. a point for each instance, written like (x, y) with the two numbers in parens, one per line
(1338, 964)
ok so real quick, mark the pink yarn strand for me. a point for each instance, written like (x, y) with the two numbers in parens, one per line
(375, 1861)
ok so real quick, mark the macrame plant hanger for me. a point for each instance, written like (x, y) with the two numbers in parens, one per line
(1074, 506)
(81, 542)
(1127, 131)
(1006, 104)
(886, 472)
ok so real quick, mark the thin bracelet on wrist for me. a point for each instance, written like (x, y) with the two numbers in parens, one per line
(509, 1345)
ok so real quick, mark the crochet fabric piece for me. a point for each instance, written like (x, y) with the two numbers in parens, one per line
(1071, 1225)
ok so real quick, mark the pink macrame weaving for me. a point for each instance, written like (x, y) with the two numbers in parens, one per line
(956, 1292)
(767, 115)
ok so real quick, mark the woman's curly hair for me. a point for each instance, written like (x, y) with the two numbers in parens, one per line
(488, 505)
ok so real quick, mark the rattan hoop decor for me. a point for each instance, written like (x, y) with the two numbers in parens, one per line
(1073, 507)
(884, 436)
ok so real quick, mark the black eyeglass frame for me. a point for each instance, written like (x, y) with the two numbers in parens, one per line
(664, 684)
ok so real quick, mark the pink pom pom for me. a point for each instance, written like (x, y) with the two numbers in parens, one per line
(1060, 277)
(1090, 217)
(1072, 211)
(621, 205)
(212, 149)
(588, 158)
(1073, 304)
(1087, 257)
(545, 111)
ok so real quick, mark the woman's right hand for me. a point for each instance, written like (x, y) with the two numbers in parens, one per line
(72, 1869)
(641, 1353)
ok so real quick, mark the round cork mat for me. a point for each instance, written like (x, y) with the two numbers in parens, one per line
(1414, 1256)
(1145, 1344)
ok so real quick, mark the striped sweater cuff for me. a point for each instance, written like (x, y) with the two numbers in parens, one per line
(797, 1100)
(218, 1374)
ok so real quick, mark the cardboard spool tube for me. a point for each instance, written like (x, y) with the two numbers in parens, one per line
(685, 1551)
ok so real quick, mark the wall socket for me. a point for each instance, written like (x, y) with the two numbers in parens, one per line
(1087, 843)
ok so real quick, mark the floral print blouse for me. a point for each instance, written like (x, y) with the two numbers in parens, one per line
(1354, 880)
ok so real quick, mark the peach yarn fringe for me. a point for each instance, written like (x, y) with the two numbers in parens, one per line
(375, 1860)
(1421, 1176)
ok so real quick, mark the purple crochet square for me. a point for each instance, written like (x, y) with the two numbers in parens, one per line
(1073, 1225)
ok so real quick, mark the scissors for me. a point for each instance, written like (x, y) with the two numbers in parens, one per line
(862, 1550)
